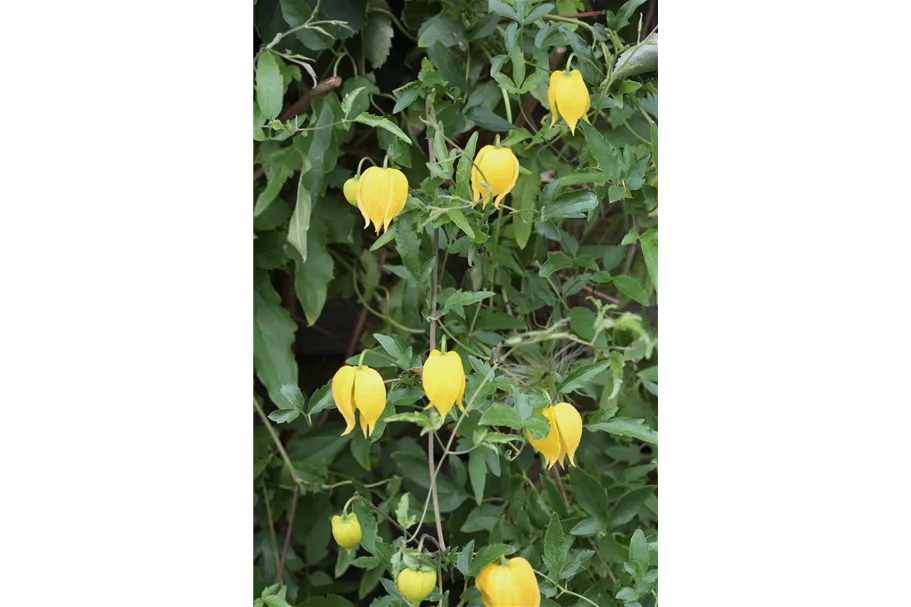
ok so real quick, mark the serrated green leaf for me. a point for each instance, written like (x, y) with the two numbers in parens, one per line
(625, 426)
(383, 123)
(581, 377)
(632, 288)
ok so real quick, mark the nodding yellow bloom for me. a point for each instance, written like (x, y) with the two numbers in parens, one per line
(416, 584)
(565, 434)
(443, 379)
(568, 96)
(510, 585)
(350, 190)
(381, 195)
(499, 169)
(346, 530)
(360, 389)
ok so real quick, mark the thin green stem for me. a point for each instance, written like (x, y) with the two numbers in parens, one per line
(506, 102)
(277, 441)
(271, 524)
(565, 590)
(398, 24)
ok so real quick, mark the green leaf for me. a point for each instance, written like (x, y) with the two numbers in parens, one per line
(477, 472)
(499, 414)
(407, 243)
(606, 155)
(589, 493)
(458, 218)
(616, 370)
(635, 177)
(630, 237)
(273, 334)
(487, 555)
(503, 9)
(405, 96)
(581, 377)
(463, 171)
(284, 416)
(538, 12)
(291, 397)
(485, 118)
(388, 236)
(515, 136)
(483, 517)
(269, 88)
(555, 262)
(312, 278)
(632, 288)
(411, 417)
(648, 241)
(621, 19)
(463, 564)
(625, 426)
(525, 197)
(556, 546)
(460, 298)
(403, 512)
(378, 36)
(570, 204)
(638, 552)
(587, 527)
(445, 28)
(628, 506)
(366, 562)
(321, 399)
(383, 123)
(400, 355)
(333, 600)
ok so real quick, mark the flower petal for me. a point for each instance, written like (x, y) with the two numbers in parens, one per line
(552, 96)
(549, 446)
(369, 397)
(441, 381)
(342, 392)
(526, 591)
(399, 196)
(569, 425)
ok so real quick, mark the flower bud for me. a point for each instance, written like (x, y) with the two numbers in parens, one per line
(416, 584)
(564, 436)
(443, 379)
(359, 389)
(346, 530)
(494, 173)
(381, 195)
(568, 97)
(509, 585)
(350, 190)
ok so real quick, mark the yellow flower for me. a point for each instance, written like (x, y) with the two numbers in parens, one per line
(499, 169)
(350, 190)
(443, 379)
(568, 95)
(416, 584)
(564, 436)
(381, 195)
(360, 389)
(346, 530)
(510, 585)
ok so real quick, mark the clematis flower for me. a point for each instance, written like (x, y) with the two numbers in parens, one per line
(443, 379)
(346, 530)
(381, 195)
(416, 584)
(499, 169)
(568, 97)
(350, 190)
(359, 389)
(509, 585)
(564, 436)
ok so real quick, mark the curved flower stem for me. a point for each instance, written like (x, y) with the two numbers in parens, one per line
(565, 590)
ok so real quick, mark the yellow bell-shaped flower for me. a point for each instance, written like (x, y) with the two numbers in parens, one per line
(510, 585)
(416, 584)
(494, 173)
(381, 195)
(565, 434)
(350, 190)
(359, 389)
(568, 96)
(443, 379)
(346, 530)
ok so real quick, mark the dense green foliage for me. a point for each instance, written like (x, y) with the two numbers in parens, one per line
(550, 298)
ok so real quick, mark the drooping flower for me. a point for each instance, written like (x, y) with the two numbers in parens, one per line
(564, 436)
(494, 173)
(510, 585)
(443, 379)
(568, 97)
(359, 389)
(346, 530)
(350, 190)
(381, 195)
(416, 584)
